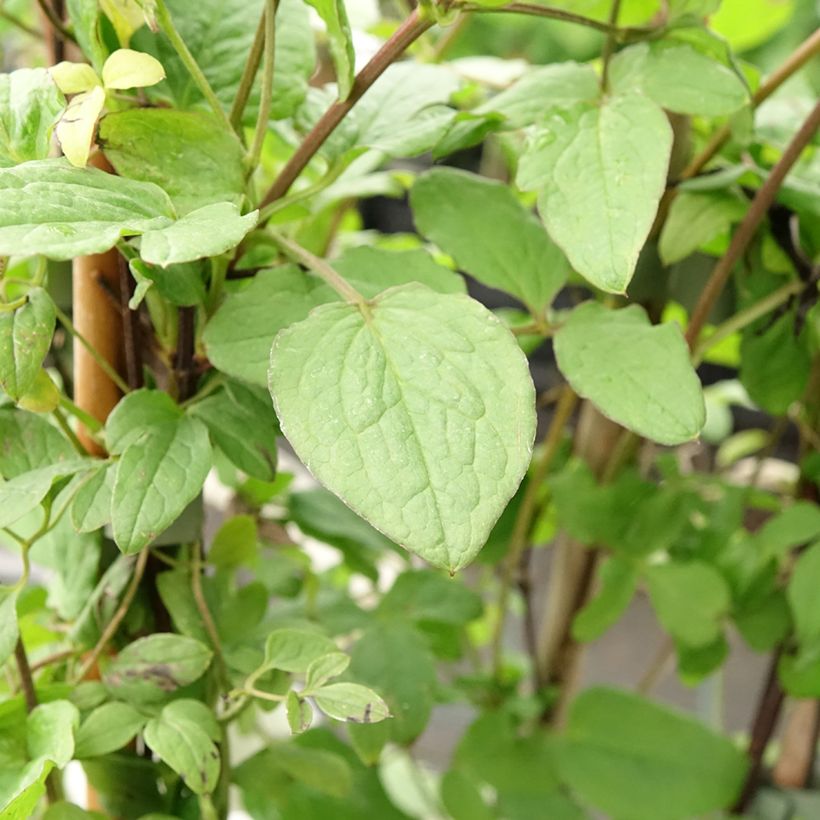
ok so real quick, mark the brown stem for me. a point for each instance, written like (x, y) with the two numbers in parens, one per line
(747, 228)
(130, 327)
(796, 60)
(768, 710)
(184, 366)
(54, 15)
(122, 610)
(609, 45)
(407, 33)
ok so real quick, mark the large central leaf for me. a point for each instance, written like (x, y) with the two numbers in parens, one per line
(416, 409)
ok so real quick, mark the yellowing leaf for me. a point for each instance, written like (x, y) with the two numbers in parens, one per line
(74, 78)
(75, 131)
(131, 69)
(125, 15)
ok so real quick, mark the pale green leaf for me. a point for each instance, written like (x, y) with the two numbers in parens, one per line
(50, 731)
(186, 748)
(340, 41)
(150, 669)
(235, 542)
(747, 23)
(50, 208)
(125, 15)
(24, 492)
(127, 68)
(187, 153)
(84, 16)
(73, 78)
(680, 77)
(299, 713)
(695, 219)
(293, 650)
(21, 797)
(324, 668)
(494, 238)
(194, 711)
(25, 337)
(600, 171)
(636, 373)
(30, 104)
(632, 758)
(138, 412)
(418, 413)
(108, 728)
(91, 508)
(690, 600)
(793, 526)
(29, 442)
(352, 702)
(157, 477)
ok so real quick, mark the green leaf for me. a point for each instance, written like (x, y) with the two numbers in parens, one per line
(24, 493)
(25, 337)
(29, 442)
(793, 526)
(108, 728)
(462, 797)
(205, 232)
(636, 373)
(600, 172)
(175, 591)
(9, 632)
(340, 41)
(695, 219)
(323, 669)
(802, 595)
(418, 413)
(774, 364)
(20, 799)
(187, 153)
(91, 508)
(30, 104)
(617, 755)
(135, 414)
(352, 702)
(681, 77)
(34, 217)
(50, 731)
(490, 234)
(619, 579)
(373, 270)
(747, 23)
(395, 659)
(157, 477)
(62, 810)
(293, 650)
(186, 747)
(219, 34)
(235, 542)
(428, 596)
(181, 285)
(85, 16)
(194, 711)
(151, 668)
(238, 337)
(299, 713)
(541, 88)
(242, 424)
(690, 600)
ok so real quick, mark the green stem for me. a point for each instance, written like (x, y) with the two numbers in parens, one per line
(70, 434)
(609, 45)
(745, 317)
(243, 93)
(88, 421)
(319, 266)
(205, 614)
(266, 98)
(184, 54)
(18, 23)
(104, 365)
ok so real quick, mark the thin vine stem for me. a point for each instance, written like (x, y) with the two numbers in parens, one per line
(205, 613)
(406, 34)
(266, 98)
(122, 610)
(63, 424)
(184, 53)
(747, 228)
(95, 354)
(243, 92)
(88, 421)
(609, 45)
(319, 266)
(20, 24)
(524, 518)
